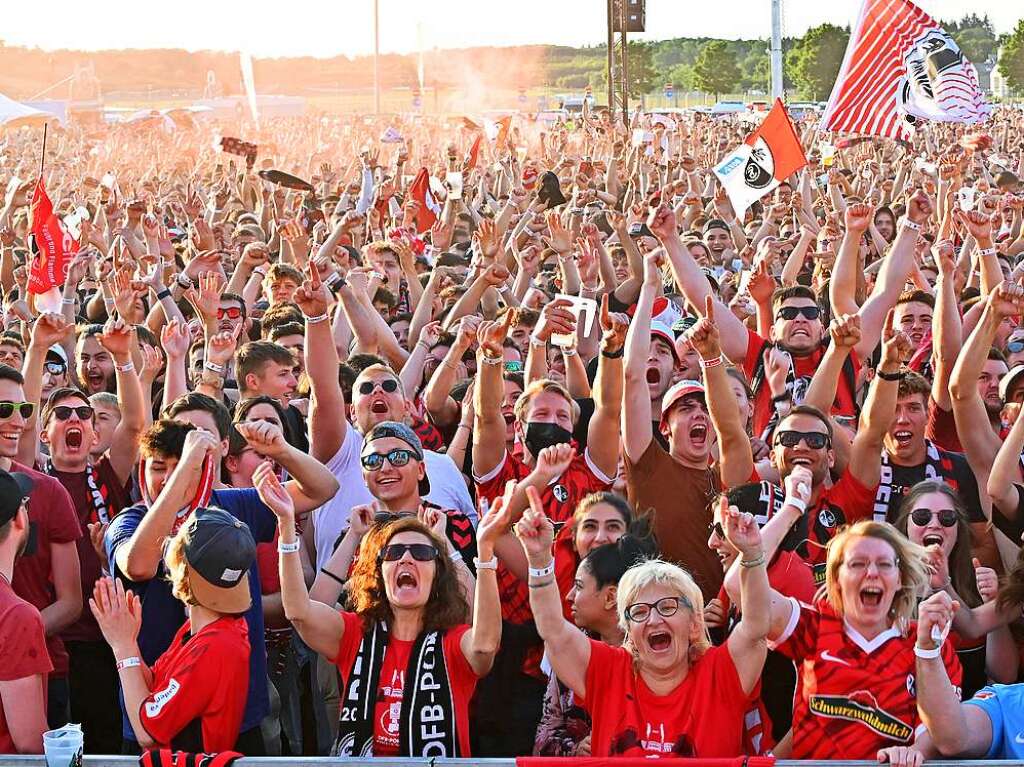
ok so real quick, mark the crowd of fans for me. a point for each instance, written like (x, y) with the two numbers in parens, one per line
(564, 457)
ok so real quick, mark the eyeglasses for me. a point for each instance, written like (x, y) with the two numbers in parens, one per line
(1017, 345)
(398, 457)
(421, 552)
(384, 517)
(947, 517)
(56, 368)
(715, 528)
(63, 412)
(232, 313)
(792, 312)
(883, 566)
(640, 612)
(388, 386)
(815, 440)
(25, 408)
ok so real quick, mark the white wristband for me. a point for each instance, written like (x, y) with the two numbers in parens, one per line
(455, 555)
(318, 318)
(541, 572)
(986, 252)
(921, 652)
(130, 662)
(911, 225)
(489, 564)
(127, 367)
(288, 548)
(795, 502)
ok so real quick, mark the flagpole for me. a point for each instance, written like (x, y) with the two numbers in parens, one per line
(42, 156)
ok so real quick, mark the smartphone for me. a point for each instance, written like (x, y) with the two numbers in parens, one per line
(635, 228)
(584, 310)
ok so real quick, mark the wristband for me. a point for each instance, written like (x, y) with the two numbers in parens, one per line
(489, 360)
(485, 564)
(897, 376)
(540, 572)
(798, 503)
(711, 363)
(570, 351)
(912, 225)
(455, 556)
(614, 355)
(68, 301)
(184, 280)
(922, 652)
(755, 562)
(108, 302)
(127, 367)
(318, 318)
(332, 576)
(541, 584)
(213, 367)
(288, 548)
(260, 271)
(130, 662)
(539, 343)
(165, 293)
(987, 251)
(786, 396)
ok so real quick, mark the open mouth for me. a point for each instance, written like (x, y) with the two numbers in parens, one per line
(932, 539)
(73, 438)
(871, 596)
(510, 418)
(653, 376)
(11, 436)
(699, 433)
(801, 461)
(903, 437)
(379, 407)
(94, 380)
(659, 641)
(405, 580)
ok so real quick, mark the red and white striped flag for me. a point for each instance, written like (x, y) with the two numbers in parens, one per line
(901, 67)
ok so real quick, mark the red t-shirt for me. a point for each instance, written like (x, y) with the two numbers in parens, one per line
(199, 689)
(386, 731)
(52, 517)
(941, 428)
(853, 696)
(702, 717)
(789, 575)
(803, 367)
(22, 650)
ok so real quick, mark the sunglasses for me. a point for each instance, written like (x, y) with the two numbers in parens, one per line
(640, 612)
(56, 368)
(63, 412)
(388, 386)
(384, 517)
(232, 313)
(792, 312)
(421, 552)
(1017, 345)
(947, 517)
(25, 408)
(815, 440)
(398, 457)
(716, 529)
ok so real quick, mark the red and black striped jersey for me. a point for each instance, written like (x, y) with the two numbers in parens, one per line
(853, 696)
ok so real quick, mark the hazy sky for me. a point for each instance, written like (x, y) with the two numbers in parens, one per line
(332, 27)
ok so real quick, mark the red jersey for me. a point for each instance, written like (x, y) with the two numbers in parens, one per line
(559, 498)
(702, 717)
(199, 689)
(386, 732)
(22, 650)
(853, 696)
(803, 371)
(51, 516)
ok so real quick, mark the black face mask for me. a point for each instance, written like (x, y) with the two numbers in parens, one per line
(541, 435)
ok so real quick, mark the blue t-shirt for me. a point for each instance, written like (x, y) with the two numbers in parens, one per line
(162, 614)
(1004, 705)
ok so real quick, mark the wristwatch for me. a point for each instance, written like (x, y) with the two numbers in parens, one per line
(184, 281)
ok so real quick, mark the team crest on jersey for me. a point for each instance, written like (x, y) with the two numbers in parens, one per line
(560, 492)
(862, 706)
(827, 517)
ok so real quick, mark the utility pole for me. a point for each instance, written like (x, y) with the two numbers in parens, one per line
(776, 49)
(376, 57)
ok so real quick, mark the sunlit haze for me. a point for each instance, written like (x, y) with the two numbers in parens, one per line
(332, 27)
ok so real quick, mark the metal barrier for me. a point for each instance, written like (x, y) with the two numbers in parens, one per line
(326, 761)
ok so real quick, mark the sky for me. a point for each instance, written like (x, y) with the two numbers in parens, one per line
(325, 28)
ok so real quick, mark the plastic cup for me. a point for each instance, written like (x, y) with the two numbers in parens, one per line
(63, 747)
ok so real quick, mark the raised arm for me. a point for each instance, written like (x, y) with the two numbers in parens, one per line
(845, 333)
(947, 326)
(603, 432)
(489, 426)
(1004, 479)
(843, 284)
(480, 643)
(637, 431)
(116, 338)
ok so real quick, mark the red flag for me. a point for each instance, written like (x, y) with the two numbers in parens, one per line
(474, 153)
(53, 245)
(901, 67)
(428, 211)
(504, 124)
(470, 125)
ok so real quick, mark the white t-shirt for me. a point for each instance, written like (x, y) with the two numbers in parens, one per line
(447, 490)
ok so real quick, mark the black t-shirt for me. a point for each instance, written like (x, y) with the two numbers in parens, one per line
(1011, 528)
(952, 468)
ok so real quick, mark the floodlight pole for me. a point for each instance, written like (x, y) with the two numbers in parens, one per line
(618, 64)
(776, 50)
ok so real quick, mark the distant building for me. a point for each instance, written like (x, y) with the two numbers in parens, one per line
(998, 86)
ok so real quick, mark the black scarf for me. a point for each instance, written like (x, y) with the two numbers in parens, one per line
(933, 469)
(98, 492)
(427, 719)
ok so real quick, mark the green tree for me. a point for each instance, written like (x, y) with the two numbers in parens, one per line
(975, 36)
(1011, 62)
(642, 74)
(681, 77)
(814, 61)
(715, 70)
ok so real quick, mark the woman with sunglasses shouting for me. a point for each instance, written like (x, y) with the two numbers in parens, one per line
(666, 691)
(933, 515)
(407, 658)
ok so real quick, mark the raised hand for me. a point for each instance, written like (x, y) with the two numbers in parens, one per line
(936, 612)
(662, 222)
(614, 326)
(799, 483)
(119, 615)
(116, 338)
(220, 348)
(466, 335)
(555, 317)
(535, 531)
(555, 460)
(205, 295)
(265, 438)
(488, 239)
(175, 340)
(703, 336)
(272, 492)
(491, 334)
(845, 331)
(360, 519)
(858, 218)
(50, 329)
(496, 275)
(987, 580)
(777, 364)
(741, 530)
(896, 345)
(312, 296)
(559, 240)
(979, 225)
(152, 363)
(919, 207)
(762, 284)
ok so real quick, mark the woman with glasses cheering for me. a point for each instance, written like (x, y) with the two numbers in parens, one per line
(666, 691)
(408, 657)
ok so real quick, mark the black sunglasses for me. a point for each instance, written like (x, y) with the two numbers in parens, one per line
(815, 440)
(388, 385)
(947, 517)
(792, 312)
(421, 552)
(25, 408)
(63, 412)
(398, 457)
(716, 528)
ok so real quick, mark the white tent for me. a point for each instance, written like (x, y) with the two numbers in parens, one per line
(14, 114)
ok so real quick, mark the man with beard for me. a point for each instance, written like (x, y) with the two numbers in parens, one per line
(94, 366)
(97, 490)
(24, 662)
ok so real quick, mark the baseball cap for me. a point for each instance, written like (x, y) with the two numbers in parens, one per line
(15, 487)
(677, 391)
(662, 331)
(219, 550)
(400, 431)
(57, 351)
(715, 223)
(1010, 380)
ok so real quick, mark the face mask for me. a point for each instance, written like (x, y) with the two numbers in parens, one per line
(541, 435)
